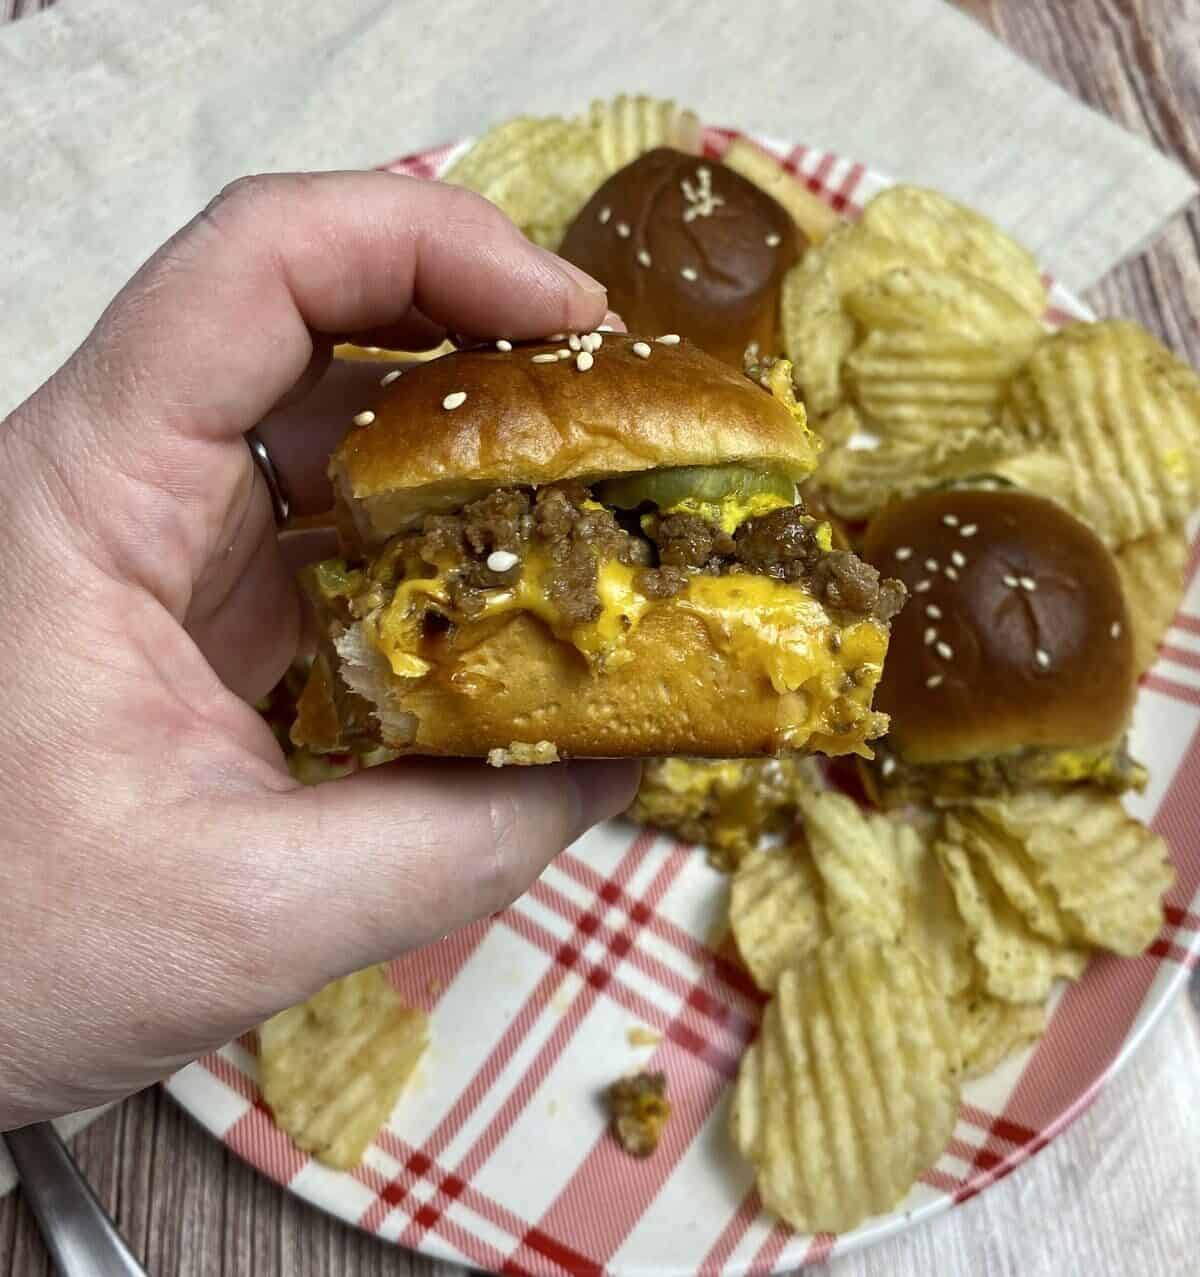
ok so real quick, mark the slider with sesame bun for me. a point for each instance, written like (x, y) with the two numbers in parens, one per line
(1013, 658)
(591, 547)
(688, 245)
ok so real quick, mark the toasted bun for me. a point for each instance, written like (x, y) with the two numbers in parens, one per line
(1038, 646)
(536, 423)
(735, 243)
(518, 687)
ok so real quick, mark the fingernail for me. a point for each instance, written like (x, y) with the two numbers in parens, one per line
(614, 321)
(605, 790)
(580, 278)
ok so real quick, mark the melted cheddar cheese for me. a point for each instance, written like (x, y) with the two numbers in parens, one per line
(396, 630)
(767, 627)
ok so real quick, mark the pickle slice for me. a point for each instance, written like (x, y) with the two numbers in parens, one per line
(702, 485)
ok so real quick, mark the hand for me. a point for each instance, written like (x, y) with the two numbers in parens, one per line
(164, 883)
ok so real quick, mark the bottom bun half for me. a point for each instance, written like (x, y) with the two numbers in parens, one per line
(519, 695)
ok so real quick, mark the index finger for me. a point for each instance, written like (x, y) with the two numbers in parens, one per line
(218, 324)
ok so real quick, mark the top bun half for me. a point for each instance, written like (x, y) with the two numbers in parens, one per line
(527, 423)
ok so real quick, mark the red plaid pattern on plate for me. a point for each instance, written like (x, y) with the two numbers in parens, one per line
(498, 1156)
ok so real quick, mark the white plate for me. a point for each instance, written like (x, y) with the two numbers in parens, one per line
(498, 1157)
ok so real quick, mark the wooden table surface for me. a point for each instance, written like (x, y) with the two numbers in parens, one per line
(188, 1206)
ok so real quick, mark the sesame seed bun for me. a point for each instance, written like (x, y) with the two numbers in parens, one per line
(705, 253)
(1015, 634)
(527, 422)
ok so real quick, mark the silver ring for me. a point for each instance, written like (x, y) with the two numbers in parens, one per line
(280, 501)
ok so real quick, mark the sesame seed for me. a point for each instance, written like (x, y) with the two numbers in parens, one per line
(623, 229)
(584, 360)
(904, 552)
(951, 573)
(364, 418)
(503, 345)
(950, 520)
(930, 636)
(574, 342)
(502, 560)
(931, 565)
(1028, 583)
(704, 172)
(1011, 581)
(921, 586)
(597, 340)
(643, 257)
(1116, 629)
(1042, 657)
(604, 214)
(689, 273)
(933, 611)
(455, 400)
(934, 680)
(945, 651)
(888, 766)
(968, 529)
(563, 352)
(668, 339)
(388, 378)
(641, 349)
(773, 240)
(958, 558)
(545, 359)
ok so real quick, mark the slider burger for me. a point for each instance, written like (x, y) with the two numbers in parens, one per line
(1013, 658)
(687, 245)
(588, 547)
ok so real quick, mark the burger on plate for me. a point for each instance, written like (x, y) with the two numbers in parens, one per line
(590, 546)
(1013, 658)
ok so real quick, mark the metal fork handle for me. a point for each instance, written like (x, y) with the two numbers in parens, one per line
(78, 1233)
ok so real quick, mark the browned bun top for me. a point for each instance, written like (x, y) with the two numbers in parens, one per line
(527, 422)
(1015, 633)
(686, 245)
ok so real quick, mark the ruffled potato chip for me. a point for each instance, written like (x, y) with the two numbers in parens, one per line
(626, 127)
(1106, 872)
(865, 862)
(990, 1031)
(540, 172)
(818, 333)
(776, 911)
(857, 481)
(1124, 415)
(954, 237)
(931, 299)
(1153, 575)
(918, 377)
(851, 1089)
(1010, 867)
(1016, 964)
(333, 1067)
(933, 928)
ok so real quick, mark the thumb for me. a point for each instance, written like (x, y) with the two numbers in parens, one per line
(396, 857)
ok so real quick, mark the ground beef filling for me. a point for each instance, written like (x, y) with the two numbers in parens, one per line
(567, 528)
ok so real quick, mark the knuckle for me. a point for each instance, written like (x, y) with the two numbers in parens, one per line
(463, 212)
(254, 189)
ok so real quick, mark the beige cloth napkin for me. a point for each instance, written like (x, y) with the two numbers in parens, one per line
(121, 118)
